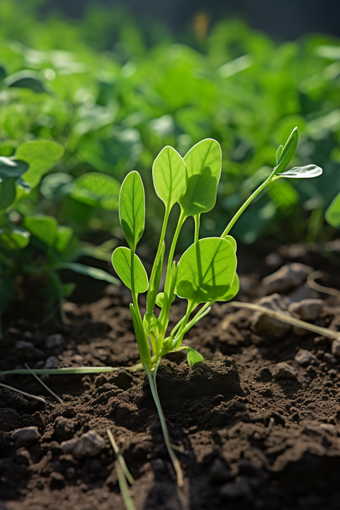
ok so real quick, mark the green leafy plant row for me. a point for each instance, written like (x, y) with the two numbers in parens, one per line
(34, 247)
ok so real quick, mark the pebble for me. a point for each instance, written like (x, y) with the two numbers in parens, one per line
(286, 278)
(55, 340)
(22, 456)
(336, 347)
(51, 362)
(307, 309)
(330, 359)
(26, 435)
(284, 371)
(304, 357)
(236, 490)
(88, 445)
(302, 292)
(267, 326)
(57, 479)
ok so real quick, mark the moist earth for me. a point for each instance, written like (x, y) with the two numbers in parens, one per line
(256, 425)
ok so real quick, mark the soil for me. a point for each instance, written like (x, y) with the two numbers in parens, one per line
(245, 438)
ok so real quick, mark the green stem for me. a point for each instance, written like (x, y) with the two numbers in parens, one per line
(154, 391)
(197, 219)
(180, 222)
(245, 205)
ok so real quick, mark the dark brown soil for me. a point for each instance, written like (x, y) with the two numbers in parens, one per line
(245, 439)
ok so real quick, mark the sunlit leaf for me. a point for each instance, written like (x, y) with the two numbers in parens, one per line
(169, 176)
(95, 188)
(121, 261)
(206, 271)
(132, 208)
(203, 164)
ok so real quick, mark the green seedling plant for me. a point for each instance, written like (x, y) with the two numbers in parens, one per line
(34, 247)
(204, 274)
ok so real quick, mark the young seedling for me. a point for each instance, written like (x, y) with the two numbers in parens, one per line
(205, 273)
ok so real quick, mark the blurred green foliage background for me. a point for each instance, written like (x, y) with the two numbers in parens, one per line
(113, 93)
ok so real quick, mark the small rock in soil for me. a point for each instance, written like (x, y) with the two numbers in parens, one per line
(304, 357)
(88, 445)
(330, 359)
(26, 435)
(284, 371)
(336, 347)
(267, 326)
(51, 362)
(237, 489)
(286, 278)
(64, 428)
(302, 292)
(55, 340)
(307, 309)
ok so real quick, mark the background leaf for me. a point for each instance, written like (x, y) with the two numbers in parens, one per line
(15, 238)
(11, 168)
(132, 208)
(97, 189)
(41, 155)
(333, 212)
(170, 176)
(26, 80)
(204, 164)
(206, 271)
(121, 261)
(43, 227)
(93, 272)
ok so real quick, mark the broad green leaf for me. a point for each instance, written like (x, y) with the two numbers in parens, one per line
(132, 208)
(232, 241)
(43, 227)
(25, 80)
(95, 188)
(288, 151)
(194, 357)
(93, 272)
(7, 193)
(333, 212)
(302, 172)
(15, 238)
(41, 155)
(121, 261)
(206, 271)
(64, 235)
(203, 164)
(234, 289)
(169, 176)
(11, 168)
